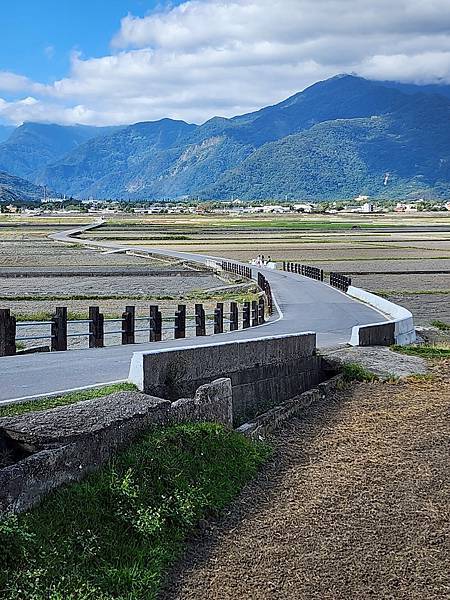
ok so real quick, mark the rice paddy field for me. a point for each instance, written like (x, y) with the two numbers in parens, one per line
(405, 257)
(38, 274)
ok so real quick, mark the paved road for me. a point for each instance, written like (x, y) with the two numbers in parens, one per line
(302, 305)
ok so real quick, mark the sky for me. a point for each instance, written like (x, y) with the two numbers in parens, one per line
(105, 62)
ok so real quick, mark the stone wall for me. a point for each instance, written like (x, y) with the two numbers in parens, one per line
(263, 372)
(50, 448)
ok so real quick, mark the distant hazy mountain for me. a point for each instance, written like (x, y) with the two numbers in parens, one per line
(5, 132)
(336, 139)
(14, 188)
(33, 145)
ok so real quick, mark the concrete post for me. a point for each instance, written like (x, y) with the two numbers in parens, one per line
(234, 316)
(96, 328)
(180, 322)
(128, 322)
(261, 307)
(59, 329)
(246, 315)
(200, 320)
(7, 333)
(218, 318)
(155, 324)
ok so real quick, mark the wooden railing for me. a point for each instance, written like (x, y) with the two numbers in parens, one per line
(340, 281)
(237, 269)
(60, 328)
(306, 270)
(337, 280)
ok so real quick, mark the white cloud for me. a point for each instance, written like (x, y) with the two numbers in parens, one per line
(208, 57)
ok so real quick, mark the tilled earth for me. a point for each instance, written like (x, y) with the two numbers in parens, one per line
(353, 505)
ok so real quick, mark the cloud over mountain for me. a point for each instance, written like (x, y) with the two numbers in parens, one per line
(208, 57)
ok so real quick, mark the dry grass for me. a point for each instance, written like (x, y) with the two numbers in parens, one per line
(353, 506)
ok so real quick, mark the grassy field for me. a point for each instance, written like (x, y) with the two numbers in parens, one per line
(115, 534)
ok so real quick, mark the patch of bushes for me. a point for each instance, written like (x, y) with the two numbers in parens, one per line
(356, 372)
(115, 534)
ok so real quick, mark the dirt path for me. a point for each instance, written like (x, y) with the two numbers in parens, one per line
(354, 505)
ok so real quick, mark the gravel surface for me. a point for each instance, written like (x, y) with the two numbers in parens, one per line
(354, 505)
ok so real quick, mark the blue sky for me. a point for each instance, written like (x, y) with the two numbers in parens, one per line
(38, 36)
(106, 62)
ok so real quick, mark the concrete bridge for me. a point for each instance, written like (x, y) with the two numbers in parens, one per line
(301, 305)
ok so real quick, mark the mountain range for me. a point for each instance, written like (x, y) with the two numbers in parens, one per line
(13, 189)
(336, 139)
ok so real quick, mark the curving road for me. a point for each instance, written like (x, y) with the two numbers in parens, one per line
(302, 305)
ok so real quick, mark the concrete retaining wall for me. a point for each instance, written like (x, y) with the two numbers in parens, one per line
(399, 329)
(263, 372)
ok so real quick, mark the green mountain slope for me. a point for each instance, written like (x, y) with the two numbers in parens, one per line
(13, 189)
(337, 138)
(403, 154)
(33, 145)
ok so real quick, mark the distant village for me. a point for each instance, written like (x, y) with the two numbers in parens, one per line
(361, 204)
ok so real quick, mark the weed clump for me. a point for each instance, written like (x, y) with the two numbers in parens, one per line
(356, 372)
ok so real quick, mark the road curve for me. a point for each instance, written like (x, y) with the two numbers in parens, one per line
(303, 304)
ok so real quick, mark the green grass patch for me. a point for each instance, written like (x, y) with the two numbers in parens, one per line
(441, 325)
(115, 534)
(46, 403)
(356, 372)
(425, 351)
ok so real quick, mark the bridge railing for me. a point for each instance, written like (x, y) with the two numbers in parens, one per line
(306, 270)
(337, 280)
(155, 325)
(237, 269)
(340, 281)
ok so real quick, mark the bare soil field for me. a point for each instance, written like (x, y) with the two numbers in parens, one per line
(24, 249)
(380, 243)
(407, 247)
(35, 252)
(104, 286)
(353, 505)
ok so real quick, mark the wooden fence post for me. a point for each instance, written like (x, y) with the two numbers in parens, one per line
(59, 329)
(218, 318)
(200, 320)
(180, 322)
(261, 308)
(155, 324)
(7, 333)
(96, 328)
(128, 321)
(246, 315)
(234, 316)
(254, 313)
